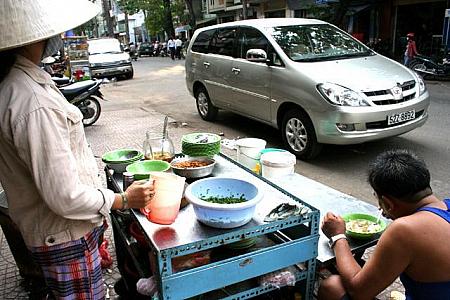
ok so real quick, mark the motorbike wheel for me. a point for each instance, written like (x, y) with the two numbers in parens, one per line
(91, 109)
(299, 136)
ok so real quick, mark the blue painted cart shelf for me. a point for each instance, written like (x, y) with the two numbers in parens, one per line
(234, 273)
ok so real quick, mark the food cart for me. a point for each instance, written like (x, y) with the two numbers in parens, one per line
(188, 258)
(77, 57)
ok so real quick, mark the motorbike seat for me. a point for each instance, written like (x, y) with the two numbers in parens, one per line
(72, 90)
(61, 80)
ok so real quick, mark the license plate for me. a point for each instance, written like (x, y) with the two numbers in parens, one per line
(401, 117)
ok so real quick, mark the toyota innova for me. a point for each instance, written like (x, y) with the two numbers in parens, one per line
(311, 80)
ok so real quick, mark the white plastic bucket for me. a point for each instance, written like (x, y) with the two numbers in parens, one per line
(248, 151)
(277, 163)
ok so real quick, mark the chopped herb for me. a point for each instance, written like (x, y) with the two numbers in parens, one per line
(225, 200)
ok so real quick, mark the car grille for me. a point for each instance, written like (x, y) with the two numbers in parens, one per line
(384, 123)
(385, 97)
(108, 65)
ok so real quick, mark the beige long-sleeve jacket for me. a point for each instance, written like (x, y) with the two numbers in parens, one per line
(47, 169)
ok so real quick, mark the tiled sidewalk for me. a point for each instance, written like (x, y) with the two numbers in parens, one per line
(125, 128)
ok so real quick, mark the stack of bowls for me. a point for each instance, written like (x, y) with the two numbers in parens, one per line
(119, 159)
(200, 144)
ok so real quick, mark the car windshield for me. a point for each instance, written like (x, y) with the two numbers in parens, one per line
(104, 46)
(320, 42)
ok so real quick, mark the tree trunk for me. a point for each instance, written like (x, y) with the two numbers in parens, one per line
(168, 21)
(192, 18)
(127, 29)
(340, 12)
(109, 23)
(244, 9)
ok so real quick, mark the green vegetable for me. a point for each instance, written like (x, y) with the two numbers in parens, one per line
(224, 200)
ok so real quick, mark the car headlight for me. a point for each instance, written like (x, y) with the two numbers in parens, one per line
(340, 95)
(125, 61)
(422, 86)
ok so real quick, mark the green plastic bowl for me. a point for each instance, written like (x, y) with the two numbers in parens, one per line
(142, 169)
(359, 235)
(121, 156)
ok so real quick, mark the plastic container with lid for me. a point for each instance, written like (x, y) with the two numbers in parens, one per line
(277, 163)
(248, 152)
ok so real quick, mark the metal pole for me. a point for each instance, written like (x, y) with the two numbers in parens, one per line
(244, 9)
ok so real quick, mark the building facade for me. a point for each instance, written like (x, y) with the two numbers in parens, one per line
(383, 23)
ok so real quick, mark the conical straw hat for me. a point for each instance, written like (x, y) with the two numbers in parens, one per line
(24, 22)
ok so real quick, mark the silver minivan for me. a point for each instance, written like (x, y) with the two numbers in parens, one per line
(311, 80)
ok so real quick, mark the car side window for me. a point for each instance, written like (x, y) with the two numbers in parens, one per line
(250, 38)
(202, 42)
(224, 41)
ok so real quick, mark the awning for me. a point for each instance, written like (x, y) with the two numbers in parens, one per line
(182, 28)
(300, 4)
(203, 21)
(353, 10)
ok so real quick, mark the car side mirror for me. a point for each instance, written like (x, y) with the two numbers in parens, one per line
(256, 55)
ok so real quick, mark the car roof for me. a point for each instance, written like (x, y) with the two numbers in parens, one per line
(269, 22)
(102, 39)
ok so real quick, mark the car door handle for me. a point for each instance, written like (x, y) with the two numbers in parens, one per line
(236, 70)
(206, 64)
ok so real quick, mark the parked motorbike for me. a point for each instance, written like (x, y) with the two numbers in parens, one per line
(132, 52)
(428, 67)
(84, 95)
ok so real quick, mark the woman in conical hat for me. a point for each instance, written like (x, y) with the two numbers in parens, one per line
(47, 169)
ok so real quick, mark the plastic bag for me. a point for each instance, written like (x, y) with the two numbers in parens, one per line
(279, 278)
(146, 286)
(106, 259)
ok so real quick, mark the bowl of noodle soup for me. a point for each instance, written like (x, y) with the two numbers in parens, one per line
(363, 226)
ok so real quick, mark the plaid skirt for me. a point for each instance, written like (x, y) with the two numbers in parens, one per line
(72, 270)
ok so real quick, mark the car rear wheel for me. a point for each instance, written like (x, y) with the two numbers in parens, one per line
(205, 108)
(298, 134)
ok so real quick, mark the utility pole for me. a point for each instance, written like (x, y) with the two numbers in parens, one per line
(244, 9)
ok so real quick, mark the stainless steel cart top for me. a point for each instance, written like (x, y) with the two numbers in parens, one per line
(187, 229)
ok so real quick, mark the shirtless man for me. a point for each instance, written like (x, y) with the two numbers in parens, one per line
(415, 246)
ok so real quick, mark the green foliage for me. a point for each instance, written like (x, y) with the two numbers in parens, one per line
(156, 19)
(321, 12)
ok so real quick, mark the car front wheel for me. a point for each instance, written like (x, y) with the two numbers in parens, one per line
(299, 136)
(205, 108)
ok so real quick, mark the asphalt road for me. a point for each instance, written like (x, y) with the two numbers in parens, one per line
(159, 84)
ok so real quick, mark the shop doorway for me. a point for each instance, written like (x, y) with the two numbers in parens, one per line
(425, 20)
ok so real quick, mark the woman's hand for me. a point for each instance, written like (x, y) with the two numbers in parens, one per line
(140, 193)
(332, 225)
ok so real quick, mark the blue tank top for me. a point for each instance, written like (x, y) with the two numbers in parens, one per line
(428, 290)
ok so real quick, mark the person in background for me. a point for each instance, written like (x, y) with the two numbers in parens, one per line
(411, 50)
(47, 169)
(171, 47)
(178, 46)
(414, 246)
